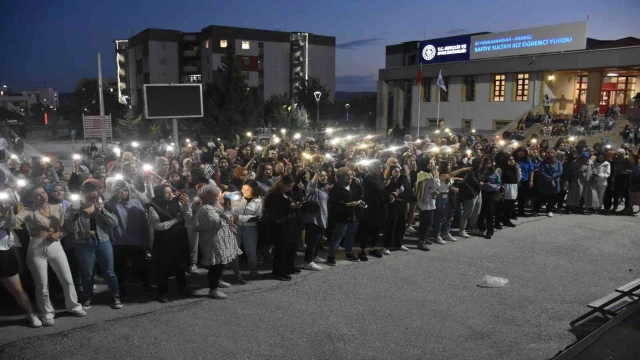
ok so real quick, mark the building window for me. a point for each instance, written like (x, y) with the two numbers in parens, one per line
(163, 46)
(499, 124)
(162, 61)
(432, 123)
(426, 90)
(194, 78)
(207, 43)
(467, 124)
(499, 84)
(522, 87)
(245, 45)
(246, 76)
(245, 60)
(444, 95)
(223, 43)
(469, 88)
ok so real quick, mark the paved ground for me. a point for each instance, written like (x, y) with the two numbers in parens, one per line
(406, 306)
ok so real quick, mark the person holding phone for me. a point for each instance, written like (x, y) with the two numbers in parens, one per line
(345, 209)
(91, 225)
(45, 224)
(246, 213)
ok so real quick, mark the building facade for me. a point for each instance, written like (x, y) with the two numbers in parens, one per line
(494, 79)
(21, 101)
(275, 62)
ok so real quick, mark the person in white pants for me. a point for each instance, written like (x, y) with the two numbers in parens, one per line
(45, 222)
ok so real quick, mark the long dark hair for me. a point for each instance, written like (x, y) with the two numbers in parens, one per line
(254, 187)
(521, 149)
(276, 188)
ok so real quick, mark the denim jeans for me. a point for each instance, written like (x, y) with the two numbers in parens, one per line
(426, 223)
(247, 236)
(346, 230)
(441, 222)
(86, 255)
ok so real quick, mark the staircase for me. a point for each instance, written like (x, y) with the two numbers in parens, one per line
(615, 138)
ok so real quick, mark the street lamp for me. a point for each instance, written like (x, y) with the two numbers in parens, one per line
(317, 95)
(347, 106)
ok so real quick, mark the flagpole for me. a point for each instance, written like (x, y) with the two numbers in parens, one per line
(438, 113)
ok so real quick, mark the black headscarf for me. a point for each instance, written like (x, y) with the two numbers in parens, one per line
(166, 209)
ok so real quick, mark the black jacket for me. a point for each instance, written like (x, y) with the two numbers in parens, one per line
(470, 187)
(338, 199)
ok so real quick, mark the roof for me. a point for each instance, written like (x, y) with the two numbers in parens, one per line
(594, 44)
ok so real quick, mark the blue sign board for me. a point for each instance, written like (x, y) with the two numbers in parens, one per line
(449, 49)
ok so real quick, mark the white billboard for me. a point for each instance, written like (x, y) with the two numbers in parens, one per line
(540, 40)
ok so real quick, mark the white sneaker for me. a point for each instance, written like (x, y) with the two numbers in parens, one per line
(386, 252)
(550, 214)
(438, 240)
(217, 294)
(463, 234)
(48, 321)
(403, 248)
(448, 237)
(223, 284)
(410, 230)
(318, 259)
(312, 266)
(79, 312)
(33, 320)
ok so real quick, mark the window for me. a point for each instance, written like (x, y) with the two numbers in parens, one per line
(246, 76)
(469, 88)
(467, 124)
(444, 95)
(162, 61)
(498, 84)
(194, 78)
(163, 46)
(426, 90)
(522, 87)
(245, 45)
(207, 43)
(432, 122)
(499, 124)
(245, 60)
(223, 43)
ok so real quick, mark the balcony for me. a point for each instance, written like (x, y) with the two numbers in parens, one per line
(190, 69)
(191, 53)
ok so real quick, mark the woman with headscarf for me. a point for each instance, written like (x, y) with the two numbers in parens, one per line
(167, 215)
(470, 196)
(426, 183)
(130, 236)
(491, 188)
(398, 194)
(510, 175)
(281, 210)
(218, 242)
(581, 173)
(597, 184)
(549, 185)
(375, 214)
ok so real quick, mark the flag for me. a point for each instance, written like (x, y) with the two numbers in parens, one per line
(440, 82)
(419, 77)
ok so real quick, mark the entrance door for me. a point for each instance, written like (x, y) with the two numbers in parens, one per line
(605, 97)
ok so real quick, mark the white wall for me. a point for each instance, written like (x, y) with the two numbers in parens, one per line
(169, 72)
(322, 64)
(277, 68)
(562, 84)
(481, 111)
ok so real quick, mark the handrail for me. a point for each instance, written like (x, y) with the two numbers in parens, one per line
(511, 124)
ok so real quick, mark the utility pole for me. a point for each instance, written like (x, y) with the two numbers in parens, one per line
(101, 98)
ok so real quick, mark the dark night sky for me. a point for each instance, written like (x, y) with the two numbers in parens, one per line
(56, 41)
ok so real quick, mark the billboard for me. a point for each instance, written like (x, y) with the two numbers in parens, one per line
(540, 40)
(162, 101)
(444, 50)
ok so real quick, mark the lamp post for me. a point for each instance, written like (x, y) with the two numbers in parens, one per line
(317, 95)
(347, 106)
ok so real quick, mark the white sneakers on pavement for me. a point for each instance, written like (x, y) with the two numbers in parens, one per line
(463, 234)
(448, 237)
(438, 240)
(217, 294)
(403, 248)
(550, 214)
(223, 284)
(312, 266)
(318, 259)
(410, 230)
(34, 321)
(386, 252)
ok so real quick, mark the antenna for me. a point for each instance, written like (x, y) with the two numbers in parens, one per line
(285, 25)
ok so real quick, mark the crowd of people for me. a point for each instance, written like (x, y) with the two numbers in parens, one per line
(181, 207)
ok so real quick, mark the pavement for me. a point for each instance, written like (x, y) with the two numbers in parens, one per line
(409, 305)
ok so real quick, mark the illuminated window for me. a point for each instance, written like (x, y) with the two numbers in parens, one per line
(499, 85)
(207, 43)
(469, 88)
(522, 87)
(223, 43)
(245, 45)
(426, 90)
(194, 78)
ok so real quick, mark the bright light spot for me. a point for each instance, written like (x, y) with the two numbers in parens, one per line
(306, 156)
(393, 148)
(117, 151)
(259, 148)
(515, 144)
(186, 141)
(21, 182)
(473, 130)
(365, 162)
(329, 130)
(249, 134)
(348, 137)
(533, 141)
(236, 197)
(283, 131)
(75, 197)
(45, 159)
(296, 136)
(468, 152)
(169, 148)
(368, 136)
(437, 131)
(173, 144)
(434, 149)
(334, 141)
(135, 144)
(4, 196)
(448, 150)
(418, 141)
(608, 146)
(572, 138)
(14, 156)
(447, 130)
(147, 167)
(77, 156)
(276, 140)
(501, 142)
(118, 176)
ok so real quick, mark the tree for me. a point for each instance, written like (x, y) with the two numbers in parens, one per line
(276, 110)
(85, 100)
(231, 106)
(130, 126)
